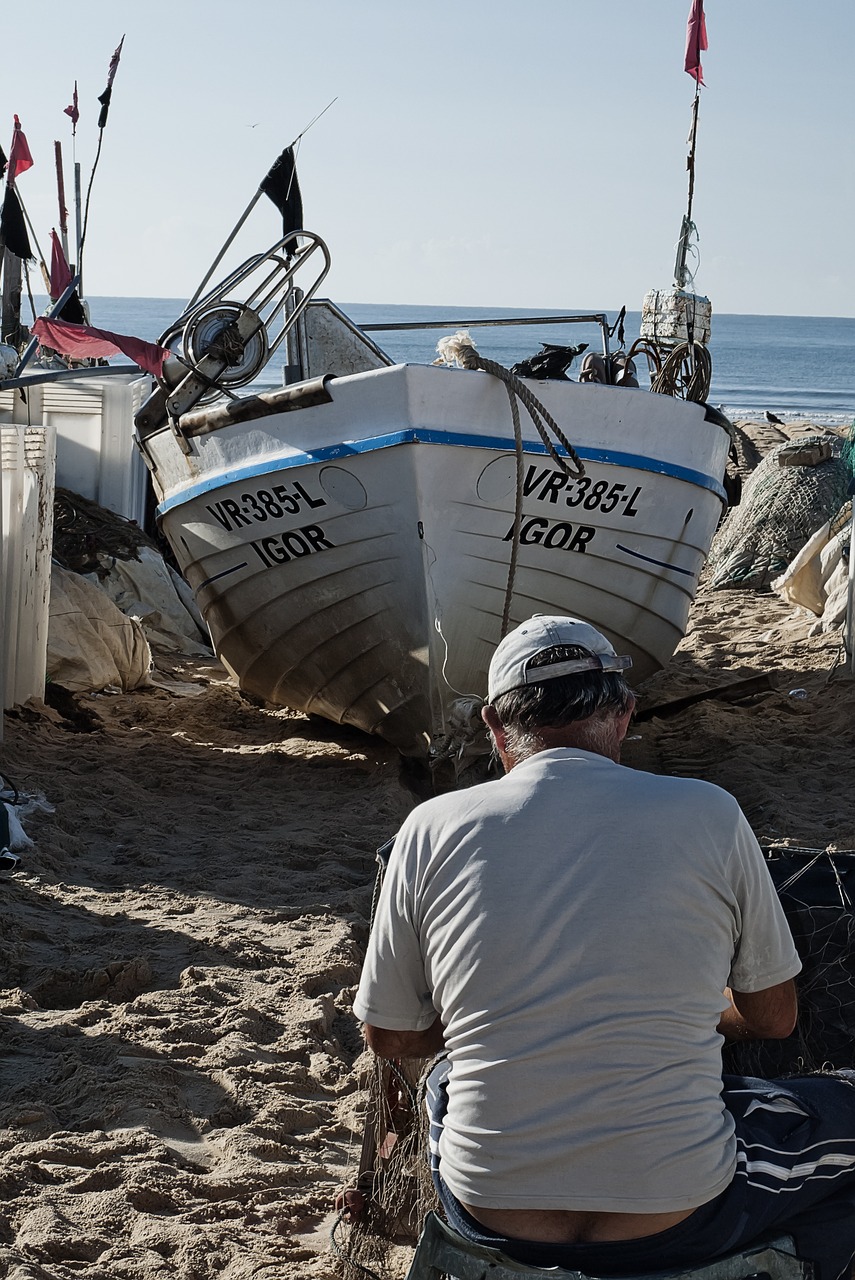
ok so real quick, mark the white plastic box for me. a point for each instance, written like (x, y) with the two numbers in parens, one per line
(94, 420)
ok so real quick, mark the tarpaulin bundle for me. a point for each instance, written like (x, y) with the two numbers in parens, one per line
(281, 185)
(86, 342)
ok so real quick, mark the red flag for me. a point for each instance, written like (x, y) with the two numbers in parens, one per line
(20, 159)
(73, 111)
(696, 40)
(84, 341)
(114, 64)
(60, 272)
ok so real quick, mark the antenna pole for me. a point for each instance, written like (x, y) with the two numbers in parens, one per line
(680, 271)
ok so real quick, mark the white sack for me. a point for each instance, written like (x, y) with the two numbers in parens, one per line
(91, 644)
(818, 577)
(146, 589)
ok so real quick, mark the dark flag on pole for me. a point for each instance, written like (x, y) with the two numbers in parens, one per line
(282, 187)
(3, 163)
(104, 98)
(696, 41)
(13, 229)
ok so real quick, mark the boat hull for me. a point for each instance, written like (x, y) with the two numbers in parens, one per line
(352, 559)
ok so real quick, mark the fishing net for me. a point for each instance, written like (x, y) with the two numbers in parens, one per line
(782, 506)
(391, 1191)
(848, 452)
(393, 1183)
(817, 890)
(82, 531)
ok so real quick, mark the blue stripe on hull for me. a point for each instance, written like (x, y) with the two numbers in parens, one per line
(424, 435)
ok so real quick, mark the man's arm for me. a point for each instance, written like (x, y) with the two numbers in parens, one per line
(760, 1015)
(405, 1044)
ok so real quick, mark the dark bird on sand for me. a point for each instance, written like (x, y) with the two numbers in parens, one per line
(550, 362)
(774, 419)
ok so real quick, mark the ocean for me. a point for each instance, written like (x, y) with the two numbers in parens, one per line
(795, 366)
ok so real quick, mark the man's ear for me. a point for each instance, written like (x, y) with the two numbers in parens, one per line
(623, 721)
(490, 716)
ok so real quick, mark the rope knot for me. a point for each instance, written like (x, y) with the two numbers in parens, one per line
(458, 350)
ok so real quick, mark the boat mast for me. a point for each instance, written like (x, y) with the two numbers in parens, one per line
(682, 274)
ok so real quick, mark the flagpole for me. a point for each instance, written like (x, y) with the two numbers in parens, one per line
(79, 236)
(241, 220)
(104, 98)
(680, 272)
(60, 192)
(10, 305)
(54, 309)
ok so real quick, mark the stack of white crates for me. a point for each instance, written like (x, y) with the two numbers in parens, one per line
(26, 520)
(668, 314)
(77, 433)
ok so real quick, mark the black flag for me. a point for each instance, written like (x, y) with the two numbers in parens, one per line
(3, 163)
(284, 190)
(13, 229)
(104, 98)
(73, 311)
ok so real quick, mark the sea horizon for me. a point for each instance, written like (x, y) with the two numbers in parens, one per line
(794, 366)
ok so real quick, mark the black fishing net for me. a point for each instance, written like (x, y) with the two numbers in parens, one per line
(83, 531)
(817, 891)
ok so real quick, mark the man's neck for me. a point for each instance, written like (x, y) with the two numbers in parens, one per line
(601, 743)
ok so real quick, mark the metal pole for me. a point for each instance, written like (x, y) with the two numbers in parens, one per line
(53, 310)
(249, 208)
(78, 212)
(686, 227)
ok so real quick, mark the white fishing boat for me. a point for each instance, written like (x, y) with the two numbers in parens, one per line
(358, 541)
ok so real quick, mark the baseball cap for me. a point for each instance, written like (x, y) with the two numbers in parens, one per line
(511, 668)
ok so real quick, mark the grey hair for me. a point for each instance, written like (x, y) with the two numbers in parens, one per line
(598, 697)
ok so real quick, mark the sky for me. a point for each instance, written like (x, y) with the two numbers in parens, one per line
(494, 153)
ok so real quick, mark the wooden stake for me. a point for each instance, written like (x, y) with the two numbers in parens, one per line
(60, 191)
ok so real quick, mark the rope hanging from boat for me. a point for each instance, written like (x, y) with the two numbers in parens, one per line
(686, 372)
(460, 350)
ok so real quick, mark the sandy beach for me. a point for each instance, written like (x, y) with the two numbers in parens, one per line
(181, 945)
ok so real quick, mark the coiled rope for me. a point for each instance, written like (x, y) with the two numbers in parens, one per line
(461, 350)
(687, 372)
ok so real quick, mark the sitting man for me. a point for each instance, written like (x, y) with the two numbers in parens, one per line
(571, 933)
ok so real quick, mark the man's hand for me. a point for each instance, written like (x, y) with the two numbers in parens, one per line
(405, 1044)
(760, 1015)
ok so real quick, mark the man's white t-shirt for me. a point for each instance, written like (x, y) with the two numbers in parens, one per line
(574, 925)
